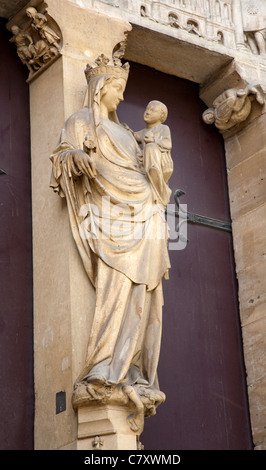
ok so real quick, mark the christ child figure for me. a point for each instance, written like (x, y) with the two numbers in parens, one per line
(157, 144)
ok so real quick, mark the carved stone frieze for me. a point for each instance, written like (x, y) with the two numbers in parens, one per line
(233, 106)
(36, 36)
(211, 20)
(233, 23)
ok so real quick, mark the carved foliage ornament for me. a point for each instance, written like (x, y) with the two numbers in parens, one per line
(37, 38)
(233, 106)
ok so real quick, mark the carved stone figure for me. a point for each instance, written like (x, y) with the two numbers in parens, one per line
(39, 24)
(232, 107)
(37, 43)
(32, 54)
(25, 47)
(254, 24)
(193, 28)
(157, 144)
(173, 20)
(121, 235)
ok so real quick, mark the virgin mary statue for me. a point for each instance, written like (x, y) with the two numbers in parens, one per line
(121, 235)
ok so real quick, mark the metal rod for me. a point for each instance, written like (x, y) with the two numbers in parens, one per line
(196, 218)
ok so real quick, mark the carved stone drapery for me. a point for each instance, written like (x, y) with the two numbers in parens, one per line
(36, 36)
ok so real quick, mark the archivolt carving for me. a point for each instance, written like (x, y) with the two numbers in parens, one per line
(37, 38)
(232, 107)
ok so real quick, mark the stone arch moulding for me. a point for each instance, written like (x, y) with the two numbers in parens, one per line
(37, 37)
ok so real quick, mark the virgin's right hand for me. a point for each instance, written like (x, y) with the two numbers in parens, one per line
(84, 163)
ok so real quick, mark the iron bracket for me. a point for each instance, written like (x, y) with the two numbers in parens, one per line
(192, 218)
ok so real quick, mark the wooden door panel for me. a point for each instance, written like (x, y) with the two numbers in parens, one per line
(16, 363)
(201, 364)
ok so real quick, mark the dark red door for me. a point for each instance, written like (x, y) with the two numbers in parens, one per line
(201, 366)
(16, 357)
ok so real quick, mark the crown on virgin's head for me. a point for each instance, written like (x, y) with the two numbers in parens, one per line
(116, 70)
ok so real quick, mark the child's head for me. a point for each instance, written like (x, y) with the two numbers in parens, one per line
(156, 112)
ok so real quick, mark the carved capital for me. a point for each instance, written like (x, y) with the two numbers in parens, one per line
(233, 106)
(36, 36)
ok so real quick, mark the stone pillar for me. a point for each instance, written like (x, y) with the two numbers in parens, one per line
(63, 296)
(246, 164)
(105, 427)
(238, 23)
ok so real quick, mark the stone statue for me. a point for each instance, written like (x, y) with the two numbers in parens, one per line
(121, 235)
(254, 24)
(157, 144)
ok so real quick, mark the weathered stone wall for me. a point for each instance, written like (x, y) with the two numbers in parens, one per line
(246, 163)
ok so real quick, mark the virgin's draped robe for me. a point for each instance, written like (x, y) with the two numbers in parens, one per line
(121, 235)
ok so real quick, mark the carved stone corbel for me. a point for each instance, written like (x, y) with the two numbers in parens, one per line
(233, 106)
(37, 37)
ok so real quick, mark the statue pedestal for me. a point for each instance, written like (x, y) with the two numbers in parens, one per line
(105, 427)
(112, 417)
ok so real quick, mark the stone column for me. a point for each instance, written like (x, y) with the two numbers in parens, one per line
(238, 23)
(105, 427)
(246, 164)
(245, 147)
(63, 296)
